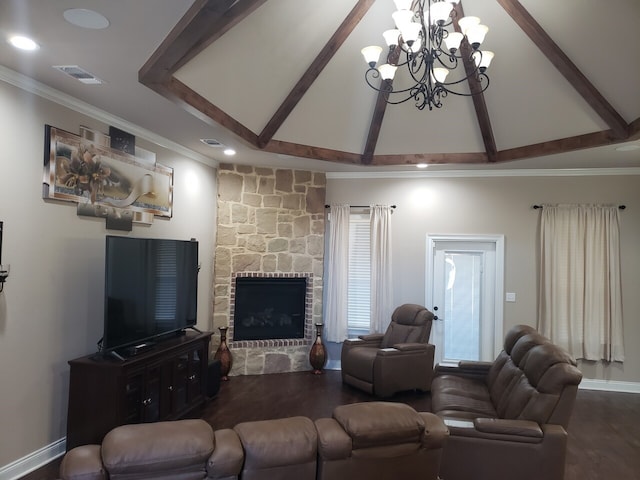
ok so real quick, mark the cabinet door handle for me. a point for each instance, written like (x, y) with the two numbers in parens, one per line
(146, 402)
(170, 388)
(192, 377)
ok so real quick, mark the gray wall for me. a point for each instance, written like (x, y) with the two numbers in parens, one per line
(51, 309)
(500, 205)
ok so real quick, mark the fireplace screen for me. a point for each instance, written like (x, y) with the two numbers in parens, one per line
(269, 308)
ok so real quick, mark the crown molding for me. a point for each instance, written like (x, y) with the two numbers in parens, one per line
(550, 172)
(30, 85)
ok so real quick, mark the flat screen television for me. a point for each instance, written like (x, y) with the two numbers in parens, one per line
(150, 290)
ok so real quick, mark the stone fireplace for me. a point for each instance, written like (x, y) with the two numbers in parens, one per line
(270, 230)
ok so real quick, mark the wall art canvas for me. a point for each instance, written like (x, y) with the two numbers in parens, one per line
(105, 182)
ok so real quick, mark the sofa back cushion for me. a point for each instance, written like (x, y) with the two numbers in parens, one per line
(532, 378)
(161, 450)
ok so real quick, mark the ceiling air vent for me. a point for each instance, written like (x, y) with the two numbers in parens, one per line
(79, 74)
(211, 142)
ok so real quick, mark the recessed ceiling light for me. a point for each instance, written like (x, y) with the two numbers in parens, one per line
(422, 165)
(628, 148)
(23, 43)
(81, 17)
(229, 152)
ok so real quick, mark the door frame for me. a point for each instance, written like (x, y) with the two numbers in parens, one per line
(498, 241)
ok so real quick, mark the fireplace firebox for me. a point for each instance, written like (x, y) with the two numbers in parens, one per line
(269, 308)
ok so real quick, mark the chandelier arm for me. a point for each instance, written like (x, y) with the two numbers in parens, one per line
(374, 73)
(482, 90)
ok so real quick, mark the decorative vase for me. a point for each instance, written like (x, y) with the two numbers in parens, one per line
(318, 354)
(224, 354)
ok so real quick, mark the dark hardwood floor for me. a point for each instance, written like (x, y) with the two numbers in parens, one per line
(604, 435)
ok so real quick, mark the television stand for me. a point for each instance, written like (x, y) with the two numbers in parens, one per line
(166, 382)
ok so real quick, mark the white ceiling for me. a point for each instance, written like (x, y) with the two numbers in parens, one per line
(249, 71)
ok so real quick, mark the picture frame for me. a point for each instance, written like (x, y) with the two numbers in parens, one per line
(81, 171)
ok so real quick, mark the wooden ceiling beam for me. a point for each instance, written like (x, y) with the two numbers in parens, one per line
(566, 67)
(562, 145)
(314, 70)
(379, 110)
(479, 104)
(204, 22)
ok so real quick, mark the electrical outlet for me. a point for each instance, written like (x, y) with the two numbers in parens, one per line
(511, 297)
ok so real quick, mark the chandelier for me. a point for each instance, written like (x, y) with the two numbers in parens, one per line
(423, 44)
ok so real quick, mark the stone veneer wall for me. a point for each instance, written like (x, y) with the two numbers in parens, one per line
(270, 221)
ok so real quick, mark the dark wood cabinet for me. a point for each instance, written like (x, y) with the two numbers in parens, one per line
(166, 382)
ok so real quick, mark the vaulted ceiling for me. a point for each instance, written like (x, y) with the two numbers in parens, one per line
(282, 81)
(287, 77)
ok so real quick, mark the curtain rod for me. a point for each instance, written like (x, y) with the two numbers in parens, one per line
(536, 207)
(358, 206)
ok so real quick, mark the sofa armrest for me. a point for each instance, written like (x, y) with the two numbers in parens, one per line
(517, 431)
(464, 368)
(228, 455)
(503, 426)
(83, 463)
(436, 432)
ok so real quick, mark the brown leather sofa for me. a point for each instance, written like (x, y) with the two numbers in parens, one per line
(400, 359)
(508, 418)
(375, 440)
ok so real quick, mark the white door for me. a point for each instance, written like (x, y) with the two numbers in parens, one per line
(464, 290)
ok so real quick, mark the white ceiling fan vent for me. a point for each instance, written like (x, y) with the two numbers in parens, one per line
(79, 74)
(212, 142)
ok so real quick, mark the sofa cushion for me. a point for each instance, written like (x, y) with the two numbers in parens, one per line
(277, 443)
(177, 450)
(374, 424)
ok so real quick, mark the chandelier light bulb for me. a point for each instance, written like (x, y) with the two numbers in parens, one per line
(452, 41)
(467, 22)
(476, 34)
(391, 37)
(483, 59)
(402, 18)
(371, 54)
(440, 12)
(411, 32)
(440, 74)
(387, 72)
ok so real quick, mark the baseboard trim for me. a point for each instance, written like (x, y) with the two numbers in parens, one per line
(33, 461)
(610, 386)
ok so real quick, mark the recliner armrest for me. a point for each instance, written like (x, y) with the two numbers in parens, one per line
(407, 347)
(373, 340)
(372, 337)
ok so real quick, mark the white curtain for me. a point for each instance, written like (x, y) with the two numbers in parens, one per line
(580, 302)
(381, 282)
(335, 319)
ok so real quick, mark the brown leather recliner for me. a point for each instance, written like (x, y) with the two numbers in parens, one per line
(400, 359)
